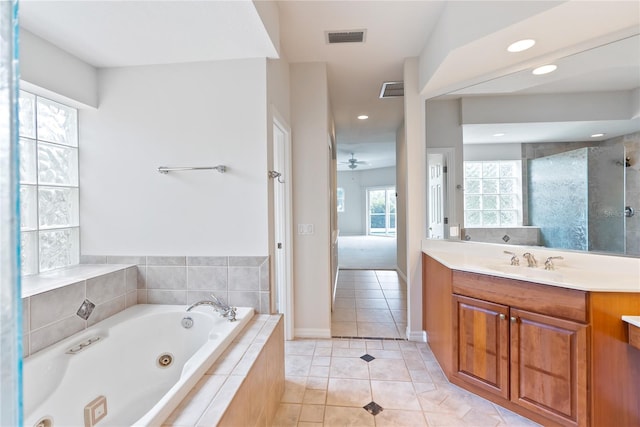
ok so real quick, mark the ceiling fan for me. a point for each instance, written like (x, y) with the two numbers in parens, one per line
(353, 162)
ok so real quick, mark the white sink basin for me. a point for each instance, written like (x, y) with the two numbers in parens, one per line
(531, 272)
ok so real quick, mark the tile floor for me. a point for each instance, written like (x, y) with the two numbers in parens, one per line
(330, 382)
(370, 303)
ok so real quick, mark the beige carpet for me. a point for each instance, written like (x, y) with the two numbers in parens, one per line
(367, 253)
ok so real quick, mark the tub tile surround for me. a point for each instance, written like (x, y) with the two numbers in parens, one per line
(113, 283)
(50, 316)
(250, 370)
(242, 281)
(524, 235)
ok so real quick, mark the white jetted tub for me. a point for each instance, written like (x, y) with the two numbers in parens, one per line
(131, 369)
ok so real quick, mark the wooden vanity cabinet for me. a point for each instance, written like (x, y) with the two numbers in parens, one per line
(549, 366)
(544, 357)
(558, 356)
(523, 342)
(481, 344)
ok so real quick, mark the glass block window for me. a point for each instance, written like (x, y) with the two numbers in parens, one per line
(493, 193)
(49, 189)
(340, 199)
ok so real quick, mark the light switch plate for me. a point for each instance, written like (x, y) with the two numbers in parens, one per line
(305, 229)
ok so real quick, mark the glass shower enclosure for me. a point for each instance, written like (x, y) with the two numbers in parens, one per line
(10, 298)
(577, 199)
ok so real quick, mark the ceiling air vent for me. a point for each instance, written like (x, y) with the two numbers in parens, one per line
(392, 89)
(352, 36)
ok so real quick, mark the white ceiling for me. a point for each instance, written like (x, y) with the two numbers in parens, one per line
(129, 33)
(395, 30)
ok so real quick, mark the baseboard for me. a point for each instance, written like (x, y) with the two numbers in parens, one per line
(419, 336)
(312, 333)
(401, 274)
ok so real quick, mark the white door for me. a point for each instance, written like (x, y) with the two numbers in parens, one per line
(283, 286)
(436, 181)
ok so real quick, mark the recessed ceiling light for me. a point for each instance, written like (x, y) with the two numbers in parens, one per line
(545, 69)
(597, 135)
(498, 134)
(521, 45)
(363, 117)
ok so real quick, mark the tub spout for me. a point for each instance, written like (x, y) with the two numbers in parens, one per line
(218, 305)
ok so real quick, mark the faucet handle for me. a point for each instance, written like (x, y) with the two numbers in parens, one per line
(219, 301)
(514, 258)
(548, 264)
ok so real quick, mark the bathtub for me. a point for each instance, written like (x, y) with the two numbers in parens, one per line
(131, 369)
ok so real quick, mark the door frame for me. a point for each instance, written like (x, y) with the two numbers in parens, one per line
(283, 280)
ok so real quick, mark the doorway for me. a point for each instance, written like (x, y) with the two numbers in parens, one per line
(381, 211)
(282, 296)
(366, 211)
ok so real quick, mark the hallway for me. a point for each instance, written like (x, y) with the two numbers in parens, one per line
(367, 252)
(371, 304)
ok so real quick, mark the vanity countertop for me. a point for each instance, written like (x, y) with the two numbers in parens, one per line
(583, 271)
(633, 320)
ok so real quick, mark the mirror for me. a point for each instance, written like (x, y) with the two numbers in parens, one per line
(575, 137)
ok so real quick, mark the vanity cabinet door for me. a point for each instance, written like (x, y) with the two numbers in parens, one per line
(481, 344)
(549, 366)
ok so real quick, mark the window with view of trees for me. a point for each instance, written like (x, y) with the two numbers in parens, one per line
(493, 193)
(382, 211)
(49, 188)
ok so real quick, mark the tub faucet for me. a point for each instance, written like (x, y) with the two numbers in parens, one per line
(218, 305)
(531, 260)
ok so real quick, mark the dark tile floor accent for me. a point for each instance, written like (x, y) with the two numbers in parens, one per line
(373, 408)
(367, 357)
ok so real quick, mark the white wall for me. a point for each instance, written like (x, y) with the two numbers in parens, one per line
(414, 116)
(401, 200)
(548, 108)
(489, 152)
(353, 220)
(311, 186)
(443, 130)
(198, 114)
(49, 71)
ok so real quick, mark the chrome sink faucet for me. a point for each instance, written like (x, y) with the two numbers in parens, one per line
(531, 260)
(548, 264)
(218, 305)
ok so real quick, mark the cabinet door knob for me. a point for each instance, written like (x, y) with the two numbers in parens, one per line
(502, 316)
(514, 319)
